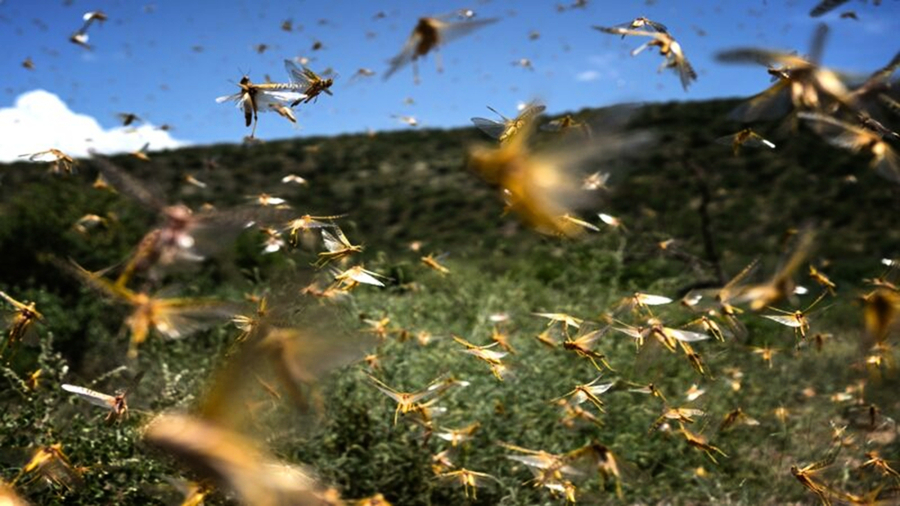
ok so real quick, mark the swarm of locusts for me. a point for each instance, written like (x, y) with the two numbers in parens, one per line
(551, 175)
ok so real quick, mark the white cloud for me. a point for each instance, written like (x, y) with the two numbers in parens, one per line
(604, 59)
(587, 76)
(39, 120)
(600, 67)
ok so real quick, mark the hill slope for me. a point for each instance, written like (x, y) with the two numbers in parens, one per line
(414, 186)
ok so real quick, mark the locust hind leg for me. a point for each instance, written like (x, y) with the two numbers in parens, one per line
(439, 62)
(636, 51)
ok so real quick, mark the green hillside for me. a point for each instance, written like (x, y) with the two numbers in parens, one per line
(396, 188)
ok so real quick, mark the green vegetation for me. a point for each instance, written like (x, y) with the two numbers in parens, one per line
(414, 186)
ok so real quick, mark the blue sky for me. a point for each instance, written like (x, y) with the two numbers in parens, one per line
(168, 61)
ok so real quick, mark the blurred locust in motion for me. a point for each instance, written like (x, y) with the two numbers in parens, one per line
(51, 464)
(59, 161)
(506, 130)
(543, 188)
(644, 24)
(429, 34)
(885, 160)
(20, 322)
(668, 47)
(469, 480)
(782, 285)
(801, 82)
(80, 37)
(182, 235)
(567, 124)
(746, 137)
(214, 442)
(172, 317)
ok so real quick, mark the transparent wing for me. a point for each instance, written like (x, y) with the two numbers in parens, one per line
(275, 99)
(790, 321)
(727, 140)
(853, 140)
(145, 193)
(94, 397)
(839, 133)
(888, 166)
(214, 230)
(332, 243)
(676, 413)
(631, 332)
(386, 390)
(485, 354)
(686, 335)
(406, 55)
(493, 128)
(772, 103)
(43, 156)
(726, 290)
(310, 75)
(639, 22)
(659, 27)
(531, 110)
(538, 461)
(652, 300)
(551, 126)
(762, 57)
(546, 461)
(231, 460)
(820, 36)
(178, 318)
(448, 32)
(882, 74)
(560, 317)
(366, 277)
(685, 71)
(891, 104)
(581, 223)
(825, 7)
(618, 30)
(297, 75)
(235, 98)
(99, 283)
(601, 388)
(756, 141)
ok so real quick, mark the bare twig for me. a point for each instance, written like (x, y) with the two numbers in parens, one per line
(706, 223)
